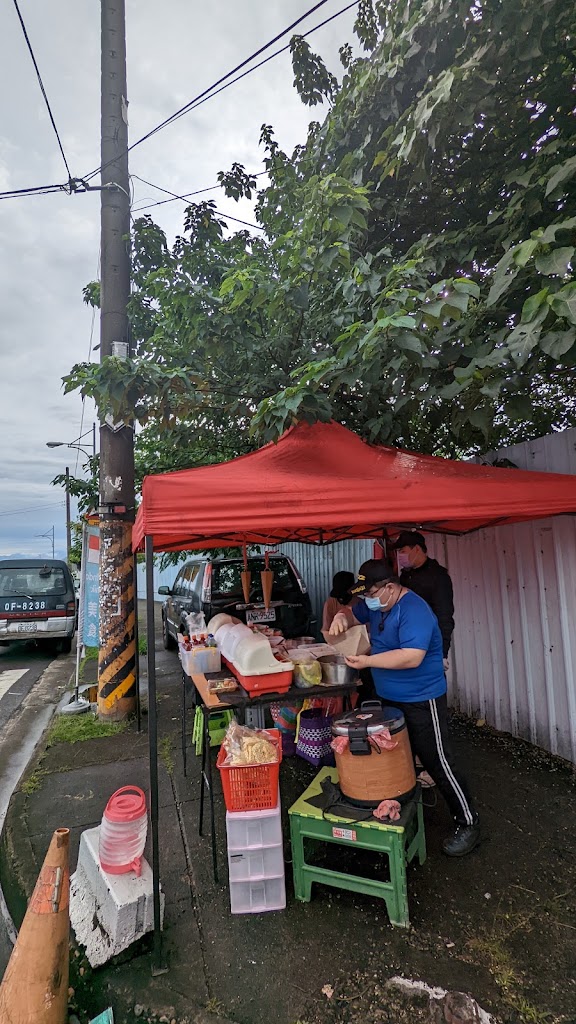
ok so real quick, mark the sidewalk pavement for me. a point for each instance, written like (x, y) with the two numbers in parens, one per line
(496, 924)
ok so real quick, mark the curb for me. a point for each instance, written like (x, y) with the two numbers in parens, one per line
(13, 890)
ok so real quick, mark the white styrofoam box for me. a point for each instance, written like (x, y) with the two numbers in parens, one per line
(108, 912)
(257, 897)
(254, 865)
(250, 830)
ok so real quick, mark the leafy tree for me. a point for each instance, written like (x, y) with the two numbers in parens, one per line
(414, 279)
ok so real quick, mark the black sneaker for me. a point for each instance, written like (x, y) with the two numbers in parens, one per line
(463, 841)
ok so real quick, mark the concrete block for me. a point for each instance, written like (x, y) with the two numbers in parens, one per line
(108, 912)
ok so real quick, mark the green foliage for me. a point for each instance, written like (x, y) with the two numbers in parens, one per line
(78, 728)
(415, 278)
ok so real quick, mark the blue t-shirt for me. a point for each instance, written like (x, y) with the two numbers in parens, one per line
(410, 623)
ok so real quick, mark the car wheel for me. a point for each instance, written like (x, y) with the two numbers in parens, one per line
(167, 638)
(66, 645)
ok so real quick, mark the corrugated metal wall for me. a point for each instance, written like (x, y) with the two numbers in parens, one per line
(513, 657)
(317, 565)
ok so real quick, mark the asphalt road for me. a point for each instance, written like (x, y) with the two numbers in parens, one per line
(21, 666)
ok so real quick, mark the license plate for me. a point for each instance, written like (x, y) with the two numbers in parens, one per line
(261, 615)
(26, 627)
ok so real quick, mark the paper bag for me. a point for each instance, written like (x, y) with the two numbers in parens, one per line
(354, 641)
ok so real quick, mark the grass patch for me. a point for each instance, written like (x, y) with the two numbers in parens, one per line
(77, 728)
(165, 751)
(490, 951)
(142, 643)
(33, 782)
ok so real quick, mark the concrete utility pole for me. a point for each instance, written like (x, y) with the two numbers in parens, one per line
(117, 658)
(68, 526)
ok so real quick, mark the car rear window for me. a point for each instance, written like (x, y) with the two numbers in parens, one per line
(226, 580)
(48, 582)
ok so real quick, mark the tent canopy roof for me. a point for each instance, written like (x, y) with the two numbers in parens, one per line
(321, 483)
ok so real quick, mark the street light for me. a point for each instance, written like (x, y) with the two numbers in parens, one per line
(64, 444)
(50, 535)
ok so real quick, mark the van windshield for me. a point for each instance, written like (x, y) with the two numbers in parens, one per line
(45, 581)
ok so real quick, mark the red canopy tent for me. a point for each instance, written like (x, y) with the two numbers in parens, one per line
(322, 483)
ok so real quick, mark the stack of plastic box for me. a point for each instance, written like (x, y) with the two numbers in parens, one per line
(256, 860)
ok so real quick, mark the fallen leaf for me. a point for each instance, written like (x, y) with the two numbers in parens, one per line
(328, 991)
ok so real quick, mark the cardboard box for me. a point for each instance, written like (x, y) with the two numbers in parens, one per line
(354, 641)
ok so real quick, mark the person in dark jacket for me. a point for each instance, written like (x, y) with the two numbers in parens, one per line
(430, 580)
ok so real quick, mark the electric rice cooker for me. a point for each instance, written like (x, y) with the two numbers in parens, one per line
(366, 773)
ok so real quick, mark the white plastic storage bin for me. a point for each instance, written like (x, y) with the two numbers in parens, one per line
(200, 659)
(251, 830)
(256, 897)
(256, 865)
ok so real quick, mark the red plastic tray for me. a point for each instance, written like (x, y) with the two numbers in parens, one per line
(274, 682)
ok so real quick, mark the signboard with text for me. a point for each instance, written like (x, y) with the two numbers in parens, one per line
(91, 570)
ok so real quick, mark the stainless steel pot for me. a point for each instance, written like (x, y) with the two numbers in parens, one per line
(335, 671)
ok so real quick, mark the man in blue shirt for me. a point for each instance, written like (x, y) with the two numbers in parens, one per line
(406, 661)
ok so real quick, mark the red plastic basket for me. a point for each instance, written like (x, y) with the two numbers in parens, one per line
(251, 787)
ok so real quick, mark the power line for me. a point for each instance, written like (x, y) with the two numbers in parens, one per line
(42, 89)
(72, 186)
(194, 105)
(37, 190)
(184, 199)
(190, 104)
(185, 195)
(32, 508)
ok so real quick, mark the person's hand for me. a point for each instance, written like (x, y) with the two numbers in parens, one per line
(446, 664)
(357, 661)
(339, 624)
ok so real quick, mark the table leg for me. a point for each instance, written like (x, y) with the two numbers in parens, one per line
(202, 777)
(206, 748)
(183, 717)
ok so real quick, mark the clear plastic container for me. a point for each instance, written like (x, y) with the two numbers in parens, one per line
(251, 830)
(201, 659)
(256, 865)
(123, 831)
(256, 897)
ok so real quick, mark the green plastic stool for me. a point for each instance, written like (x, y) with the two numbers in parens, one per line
(218, 723)
(400, 840)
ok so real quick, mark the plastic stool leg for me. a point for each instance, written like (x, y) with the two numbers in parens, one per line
(302, 887)
(397, 899)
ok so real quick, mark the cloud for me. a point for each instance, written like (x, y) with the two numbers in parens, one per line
(50, 244)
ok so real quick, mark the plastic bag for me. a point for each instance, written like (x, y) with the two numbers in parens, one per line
(246, 746)
(196, 622)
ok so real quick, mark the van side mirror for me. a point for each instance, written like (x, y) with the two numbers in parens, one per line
(166, 591)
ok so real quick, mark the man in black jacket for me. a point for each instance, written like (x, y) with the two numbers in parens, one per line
(430, 580)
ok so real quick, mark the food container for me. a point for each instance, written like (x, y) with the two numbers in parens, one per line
(366, 773)
(335, 671)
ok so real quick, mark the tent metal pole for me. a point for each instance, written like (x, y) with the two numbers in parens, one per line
(157, 964)
(136, 644)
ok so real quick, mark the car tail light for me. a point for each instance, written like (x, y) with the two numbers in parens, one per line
(71, 608)
(207, 584)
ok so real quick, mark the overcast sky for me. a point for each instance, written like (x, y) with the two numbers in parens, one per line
(49, 244)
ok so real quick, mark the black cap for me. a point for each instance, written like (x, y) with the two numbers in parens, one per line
(410, 539)
(370, 573)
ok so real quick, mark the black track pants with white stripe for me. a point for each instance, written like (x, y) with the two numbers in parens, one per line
(427, 724)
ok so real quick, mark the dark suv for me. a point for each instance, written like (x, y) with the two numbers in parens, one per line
(212, 586)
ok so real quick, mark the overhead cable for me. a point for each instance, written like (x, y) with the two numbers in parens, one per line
(42, 89)
(225, 216)
(190, 105)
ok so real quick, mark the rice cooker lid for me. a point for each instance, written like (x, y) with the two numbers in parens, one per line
(371, 719)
